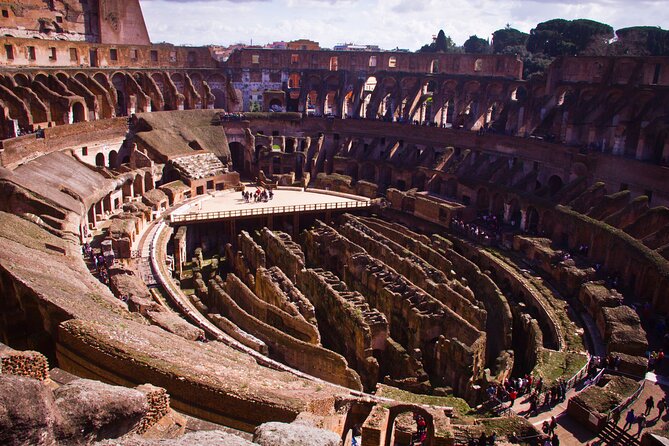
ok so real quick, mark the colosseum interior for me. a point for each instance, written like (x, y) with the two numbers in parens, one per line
(397, 269)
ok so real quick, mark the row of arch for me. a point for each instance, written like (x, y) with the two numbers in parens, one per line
(431, 99)
(44, 98)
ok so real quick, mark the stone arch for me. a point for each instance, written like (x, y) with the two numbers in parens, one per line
(294, 80)
(237, 155)
(22, 80)
(401, 409)
(119, 84)
(555, 183)
(482, 199)
(81, 77)
(41, 78)
(148, 182)
(101, 78)
(138, 184)
(275, 104)
(78, 112)
(113, 159)
(219, 98)
(100, 159)
(532, 219)
(518, 93)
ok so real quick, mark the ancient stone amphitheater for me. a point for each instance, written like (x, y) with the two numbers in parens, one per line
(469, 228)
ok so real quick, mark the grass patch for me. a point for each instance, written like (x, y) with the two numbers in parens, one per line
(505, 426)
(460, 406)
(552, 365)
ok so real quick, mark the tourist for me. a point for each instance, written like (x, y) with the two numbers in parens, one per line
(545, 427)
(630, 418)
(650, 405)
(555, 441)
(512, 396)
(483, 439)
(552, 426)
(492, 439)
(421, 426)
(356, 434)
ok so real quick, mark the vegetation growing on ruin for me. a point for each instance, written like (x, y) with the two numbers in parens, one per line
(461, 408)
(560, 37)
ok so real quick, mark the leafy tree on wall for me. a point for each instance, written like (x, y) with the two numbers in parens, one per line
(476, 45)
(559, 37)
(442, 44)
(506, 38)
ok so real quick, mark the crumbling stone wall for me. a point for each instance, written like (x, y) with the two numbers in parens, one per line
(454, 348)
(308, 358)
(252, 252)
(414, 268)
(293, 325)
(349, 325)
(273, 287)
(283, 252)
(470, 283)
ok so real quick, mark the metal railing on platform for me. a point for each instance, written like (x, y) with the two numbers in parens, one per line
(258, 212)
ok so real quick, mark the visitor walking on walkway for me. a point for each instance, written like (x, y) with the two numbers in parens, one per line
(512, 396)
(630, 418)
(650, 405)
(552, 426)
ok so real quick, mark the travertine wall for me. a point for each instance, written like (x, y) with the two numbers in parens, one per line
(273, 287)
(470, 283)
(453, 348)
(348, 323)
(293, 325)
(308, 358)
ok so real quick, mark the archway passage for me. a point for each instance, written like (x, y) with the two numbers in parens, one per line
(237, 154)
(554, 185)
(100, 159)
(276, 105)
(409, 425)
(219, 98)
(113, 159)
(78, 112)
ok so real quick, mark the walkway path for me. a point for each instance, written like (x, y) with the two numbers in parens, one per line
(230, 204)
(572, 433)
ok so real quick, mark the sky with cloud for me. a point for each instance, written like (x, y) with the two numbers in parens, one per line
(387, 23)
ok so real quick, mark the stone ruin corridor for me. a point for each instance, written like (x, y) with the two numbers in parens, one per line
(430, 231)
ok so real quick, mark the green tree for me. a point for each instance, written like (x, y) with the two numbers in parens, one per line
(476, 45)
(442, 44)
(642, 41)
(559, 37)
(508, 37)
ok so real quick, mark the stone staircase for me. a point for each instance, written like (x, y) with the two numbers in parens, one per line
(612, 435)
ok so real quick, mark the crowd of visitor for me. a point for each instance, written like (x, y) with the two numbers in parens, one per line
(225, 116)
(260, 195)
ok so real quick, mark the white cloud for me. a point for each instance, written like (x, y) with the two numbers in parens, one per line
(388, 23)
